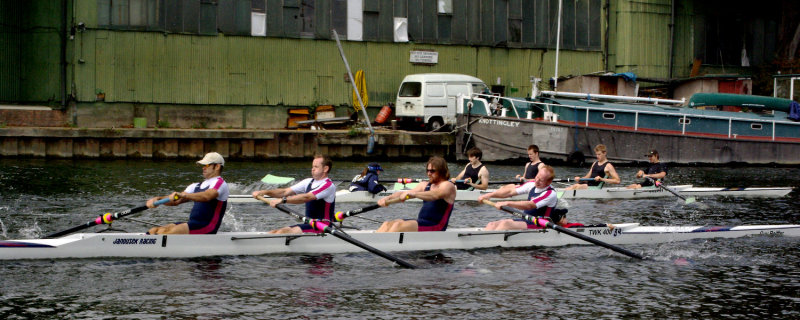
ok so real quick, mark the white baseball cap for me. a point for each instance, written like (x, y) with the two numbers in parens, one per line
(212, 157)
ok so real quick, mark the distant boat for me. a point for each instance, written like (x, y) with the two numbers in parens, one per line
(566, 127)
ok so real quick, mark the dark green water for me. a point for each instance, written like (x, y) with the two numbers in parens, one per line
(734, 279)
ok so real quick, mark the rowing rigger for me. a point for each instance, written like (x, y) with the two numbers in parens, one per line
(138, 245)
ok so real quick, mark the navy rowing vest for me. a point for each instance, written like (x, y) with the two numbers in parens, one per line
(319, 209)
(203, 213)
(543, 211)
(434, 214)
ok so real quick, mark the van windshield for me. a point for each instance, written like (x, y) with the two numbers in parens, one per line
(479, 88)
(411, 89)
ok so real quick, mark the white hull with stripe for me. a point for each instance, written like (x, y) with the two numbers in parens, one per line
(136, 245)
(605, 193)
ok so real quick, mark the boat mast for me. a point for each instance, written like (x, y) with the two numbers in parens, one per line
(558, 45)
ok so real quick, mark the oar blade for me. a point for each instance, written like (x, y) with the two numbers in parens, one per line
(276, 180)
(690, 200)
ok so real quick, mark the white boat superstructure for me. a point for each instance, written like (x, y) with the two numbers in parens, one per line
(604, 193)
(137, 245)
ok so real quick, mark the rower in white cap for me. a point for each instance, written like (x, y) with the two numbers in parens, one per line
(210, 199)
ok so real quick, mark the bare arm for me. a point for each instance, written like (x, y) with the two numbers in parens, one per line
(274, 193)
(483, 175)
(610, 171)
(520, 176)
(403, 194)
(205, 196)
(506, 191)
(444, 190)
(460, 175)
(588, 174)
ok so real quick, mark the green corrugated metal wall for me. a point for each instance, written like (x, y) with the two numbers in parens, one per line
(640, 43)
(30, 51)
(154, 67)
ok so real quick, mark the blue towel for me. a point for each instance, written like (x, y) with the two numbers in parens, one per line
(628, 76)
(794, 111)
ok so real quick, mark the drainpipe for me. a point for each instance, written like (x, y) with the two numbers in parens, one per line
(64, 30)
(671, 38)
(605, 36)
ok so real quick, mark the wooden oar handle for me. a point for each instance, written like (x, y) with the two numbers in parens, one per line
(395, 200)
(261, 197)
(487, 201)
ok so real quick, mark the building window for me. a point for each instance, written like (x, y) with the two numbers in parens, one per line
(132, 14)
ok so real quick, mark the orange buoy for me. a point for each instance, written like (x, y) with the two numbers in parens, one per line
(384, 114)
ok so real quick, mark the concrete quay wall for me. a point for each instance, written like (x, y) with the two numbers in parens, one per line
(231, 143)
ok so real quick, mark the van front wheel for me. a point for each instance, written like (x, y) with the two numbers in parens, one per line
(435, 124)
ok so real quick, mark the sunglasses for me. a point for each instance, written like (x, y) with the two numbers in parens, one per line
(431, 170)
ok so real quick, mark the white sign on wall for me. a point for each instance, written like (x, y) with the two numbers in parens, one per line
(424, 57)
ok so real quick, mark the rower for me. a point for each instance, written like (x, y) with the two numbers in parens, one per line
(602, 171)
(210, 199)
(317, 192)
(656, 171)
(368, 180)
(531, 168)
(542, 201)
(475, 174)
(438, 196)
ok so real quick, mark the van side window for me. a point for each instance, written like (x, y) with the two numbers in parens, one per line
(411, 89)
(435, 90)
(454, 89)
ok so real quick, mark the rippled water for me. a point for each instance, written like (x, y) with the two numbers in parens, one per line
(735, 279)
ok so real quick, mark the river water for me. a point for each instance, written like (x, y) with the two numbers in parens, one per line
(745, 278)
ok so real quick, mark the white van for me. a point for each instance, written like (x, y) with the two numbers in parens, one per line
(428, 100)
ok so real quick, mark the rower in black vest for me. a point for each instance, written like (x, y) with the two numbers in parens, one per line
(531, 168)
(602, 171)
(475, 174)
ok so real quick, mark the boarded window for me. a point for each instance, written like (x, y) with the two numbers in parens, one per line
(131, 14)
(514, 23)
(434, 90)
(454, 90)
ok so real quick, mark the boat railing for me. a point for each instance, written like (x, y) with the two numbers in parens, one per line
(495, 100)
(685, 117)
(592, 96)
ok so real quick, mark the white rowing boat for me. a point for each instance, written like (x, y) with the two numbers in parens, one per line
(365, 196)
(605, 193)
(138, 245)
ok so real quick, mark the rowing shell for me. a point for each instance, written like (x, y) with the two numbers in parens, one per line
(365, 196)
(606, 193)
(138, 245)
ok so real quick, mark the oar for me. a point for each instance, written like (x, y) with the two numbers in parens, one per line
(105, 219)
(662, 186)
(276, 180)
(340, 216)
(327, 227)
(548, 224)
(413, 180)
